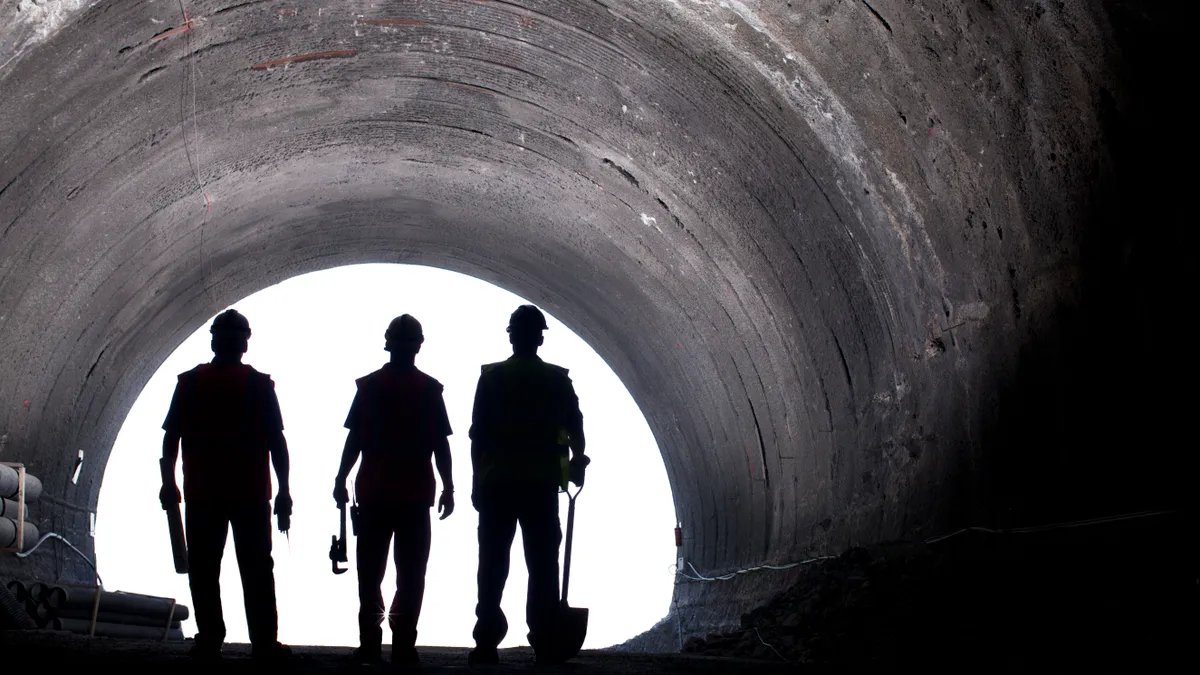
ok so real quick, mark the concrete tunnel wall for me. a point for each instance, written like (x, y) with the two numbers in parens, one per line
(849, 258)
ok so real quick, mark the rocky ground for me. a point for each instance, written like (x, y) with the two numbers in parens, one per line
(1120, 596)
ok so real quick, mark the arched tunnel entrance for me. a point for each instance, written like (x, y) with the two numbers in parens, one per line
(315, 335)
(872, 270)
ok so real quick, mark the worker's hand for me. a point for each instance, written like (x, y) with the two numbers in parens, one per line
(283, 509)
(169, 495)
(577, 466)
(446, 504)
(340, 495)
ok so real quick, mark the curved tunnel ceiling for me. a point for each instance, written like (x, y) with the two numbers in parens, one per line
(806, 235)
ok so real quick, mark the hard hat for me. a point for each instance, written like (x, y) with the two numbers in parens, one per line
(404, 328)
(230, 321)
(527, 318)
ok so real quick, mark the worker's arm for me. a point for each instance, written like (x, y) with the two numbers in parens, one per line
(277, 446)
(281, 462)
(579, 460)
(283, 500)
(169, 494)
(349, 457)
(478, 433)
(441, 456)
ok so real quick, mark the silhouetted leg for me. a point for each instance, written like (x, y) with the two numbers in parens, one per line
(497, 526)
(252, 542)
(412, 557)
(542, 535)
(206, 527)
(374, 536)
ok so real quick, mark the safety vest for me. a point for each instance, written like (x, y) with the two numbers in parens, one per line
(521, 425)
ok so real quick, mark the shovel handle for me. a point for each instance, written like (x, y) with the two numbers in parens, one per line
(570, 536)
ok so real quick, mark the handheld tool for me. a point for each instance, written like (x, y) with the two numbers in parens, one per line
(573, 621)
(175, 526)
(337, 550)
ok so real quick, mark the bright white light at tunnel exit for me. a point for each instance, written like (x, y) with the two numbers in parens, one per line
(314, 335)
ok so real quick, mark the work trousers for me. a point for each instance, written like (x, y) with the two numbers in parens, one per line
(501, 508)
(376, 524)
(207, 523)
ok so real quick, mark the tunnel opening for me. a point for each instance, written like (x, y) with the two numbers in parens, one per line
(872, 270)
(315, 334)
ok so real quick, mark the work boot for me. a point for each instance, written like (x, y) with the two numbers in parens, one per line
(405, 658)
(483, 656)
(366, 656)
(270, 652)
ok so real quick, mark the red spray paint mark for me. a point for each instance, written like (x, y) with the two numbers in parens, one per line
(289, 12)
(341, 53)
(27, 405)
(931, 130)
(178, 30)
(208, 202)
(393, 22)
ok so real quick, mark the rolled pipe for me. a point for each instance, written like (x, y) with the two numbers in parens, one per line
(116, 630)
(8, 534)
(12, 612)
(10, 482)
(8, 509)
(55, 598)
(144, 620)
(19, 591)
(124, 603)
(37, 591)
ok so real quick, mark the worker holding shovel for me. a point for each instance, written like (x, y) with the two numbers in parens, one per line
(397, 420)
(525, 418)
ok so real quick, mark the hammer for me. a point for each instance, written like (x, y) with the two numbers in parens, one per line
(337, 550)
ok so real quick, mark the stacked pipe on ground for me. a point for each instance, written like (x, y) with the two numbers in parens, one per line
(121, 615)
(9, 492)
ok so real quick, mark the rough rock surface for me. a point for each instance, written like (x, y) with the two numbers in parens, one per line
(983, 602)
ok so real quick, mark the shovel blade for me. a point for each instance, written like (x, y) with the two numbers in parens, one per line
(572, 629)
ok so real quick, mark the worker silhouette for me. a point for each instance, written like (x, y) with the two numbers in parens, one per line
(227, 415)
(526, 415)
(397, 420)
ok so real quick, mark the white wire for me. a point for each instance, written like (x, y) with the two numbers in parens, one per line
(55, 535)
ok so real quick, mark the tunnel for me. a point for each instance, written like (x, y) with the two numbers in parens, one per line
(871, 270)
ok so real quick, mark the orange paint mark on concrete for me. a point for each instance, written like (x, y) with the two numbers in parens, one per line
(184, 27)
(338, 54)
(392, 22)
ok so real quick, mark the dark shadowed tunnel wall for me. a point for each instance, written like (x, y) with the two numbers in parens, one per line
(858, 263)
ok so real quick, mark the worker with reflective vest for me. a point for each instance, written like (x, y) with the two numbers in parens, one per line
(397, 421)
(526, 417)
(227, 416)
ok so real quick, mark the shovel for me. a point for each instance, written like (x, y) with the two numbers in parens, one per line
(572, 621)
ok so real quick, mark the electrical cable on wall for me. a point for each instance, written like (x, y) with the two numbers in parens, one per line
(697, 576)
(55, 535)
